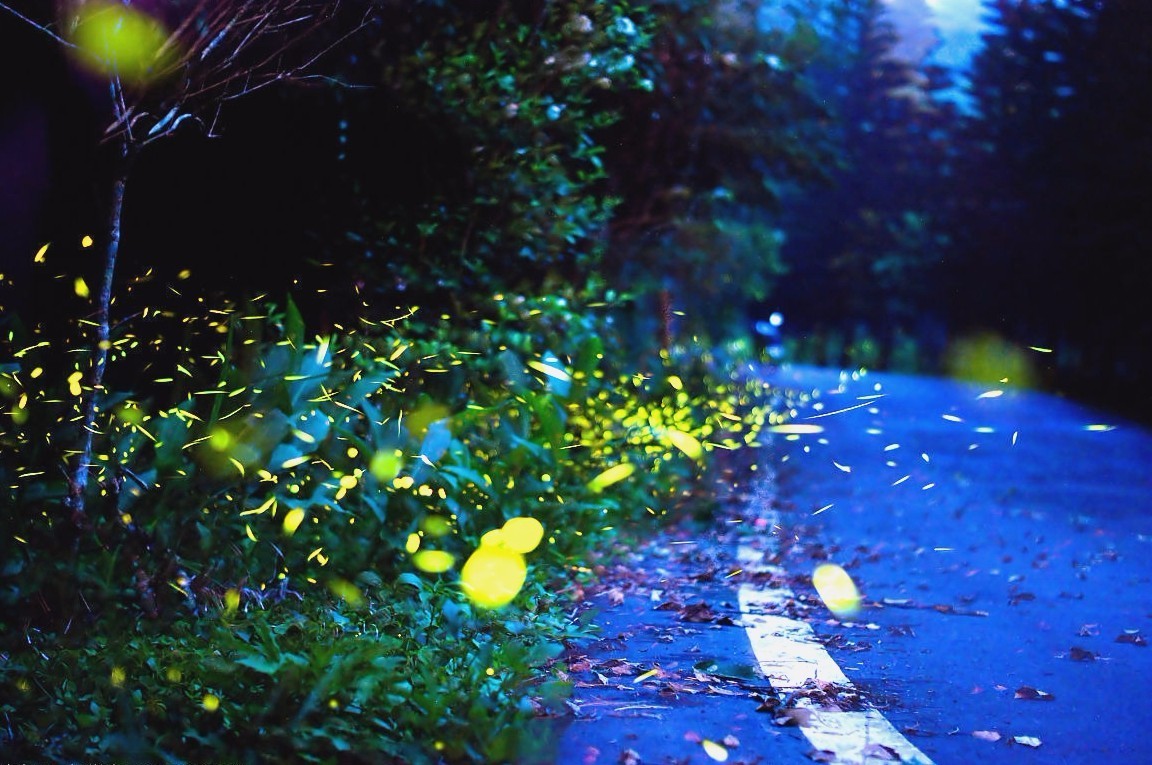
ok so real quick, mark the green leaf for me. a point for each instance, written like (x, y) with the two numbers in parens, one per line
(293, 323)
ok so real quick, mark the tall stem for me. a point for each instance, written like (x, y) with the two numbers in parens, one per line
(80, 469)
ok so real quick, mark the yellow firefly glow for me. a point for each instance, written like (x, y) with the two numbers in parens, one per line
(836, 588)
(119, 40)
(493, 575)
(293, 520)
(521, 534)
(433, 561)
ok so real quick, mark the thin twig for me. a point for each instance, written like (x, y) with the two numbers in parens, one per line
(43, 28)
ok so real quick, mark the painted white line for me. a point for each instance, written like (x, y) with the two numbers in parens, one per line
(789, 655)
(860, 737)
(751, 559)
(786, 649)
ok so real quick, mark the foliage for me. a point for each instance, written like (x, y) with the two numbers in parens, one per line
(269, 523)
(869, 248)
(412, 675)
(1056, 176)
(475, 159)
(700, 161)
(284, 525)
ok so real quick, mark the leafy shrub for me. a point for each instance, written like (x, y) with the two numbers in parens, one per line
(257, 539)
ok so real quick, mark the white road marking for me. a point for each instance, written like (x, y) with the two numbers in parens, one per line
(789, 656)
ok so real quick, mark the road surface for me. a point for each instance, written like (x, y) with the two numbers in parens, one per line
(1002, 542)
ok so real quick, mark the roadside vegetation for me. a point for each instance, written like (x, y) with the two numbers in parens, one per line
(345, 515)
(354, 335)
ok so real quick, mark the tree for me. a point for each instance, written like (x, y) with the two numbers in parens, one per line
(1058, 183)
(701, 159)
(163, 73)
(866, 248)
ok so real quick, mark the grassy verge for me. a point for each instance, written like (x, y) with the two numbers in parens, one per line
(362, 546)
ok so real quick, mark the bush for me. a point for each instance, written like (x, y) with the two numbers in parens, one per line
(253, 578)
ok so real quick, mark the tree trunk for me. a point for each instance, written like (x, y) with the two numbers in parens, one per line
(80, 469)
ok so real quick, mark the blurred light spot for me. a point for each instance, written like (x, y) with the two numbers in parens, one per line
(988, 358)
(81, 287)
(436, 525)
(836, 588)
(385, 466)
(419, 420)
(612, 475)
(551, 371)
(433, 561)
(117, 39)
(39, 257)
(85, 242)
(685, 443)
(211, 702)
(495, 537)
(493, 575)
(293, 520)
(796, 428)
(715, 751)
(118, 676)
(346, 591)
(522, 534)
(413, 543)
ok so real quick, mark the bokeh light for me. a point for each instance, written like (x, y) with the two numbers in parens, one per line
(493, 575)
(988, 358)
(433, 561)
(521, 534)
(121, 40)
(836, 588)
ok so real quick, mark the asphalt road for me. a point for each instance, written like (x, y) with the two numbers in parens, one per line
(1001, 540)
(1009, 576)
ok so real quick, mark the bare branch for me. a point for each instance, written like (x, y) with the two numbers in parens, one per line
(224, 50)
(43, 28)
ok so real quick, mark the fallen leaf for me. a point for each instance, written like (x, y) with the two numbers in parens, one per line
(1089, 630)
(798, 717)
(731, 741)
(697, 612)
(986, 735)
(1133, 637)
(881, 752)
(822, 755)
(629, 757)
(1031, 741)
(768, 704)
(1030, 693)
(1076, 653)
